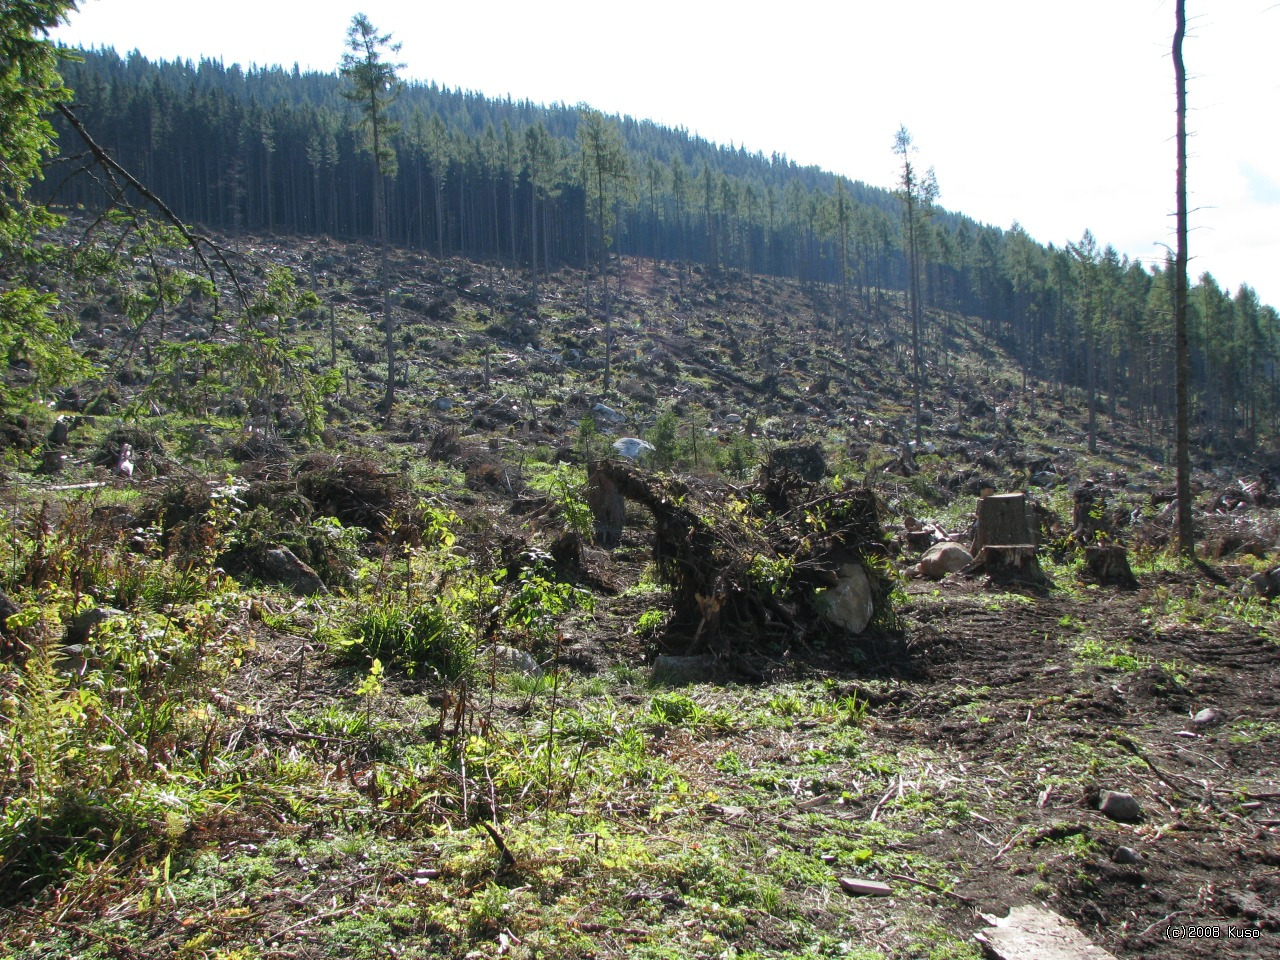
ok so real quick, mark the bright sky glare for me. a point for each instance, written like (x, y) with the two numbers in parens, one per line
(1059, 116)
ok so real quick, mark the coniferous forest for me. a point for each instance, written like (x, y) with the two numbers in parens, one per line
(281, 151)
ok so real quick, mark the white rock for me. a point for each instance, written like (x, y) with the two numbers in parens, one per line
(848, 604)
(605, 412)
(1207, 717)
(511, 660)
(632, 448)
(942, 559)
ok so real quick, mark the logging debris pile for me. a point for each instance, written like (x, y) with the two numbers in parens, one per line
(755, 565)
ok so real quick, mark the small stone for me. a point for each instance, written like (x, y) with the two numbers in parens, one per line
(1126, 855)
(865, 888)
(1121, 807)
(1207, 717)
(509, 659)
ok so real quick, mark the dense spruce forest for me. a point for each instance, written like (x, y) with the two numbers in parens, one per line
(279, 151)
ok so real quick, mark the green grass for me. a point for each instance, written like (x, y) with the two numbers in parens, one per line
(1110, 655)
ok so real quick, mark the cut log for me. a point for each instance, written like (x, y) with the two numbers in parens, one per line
(1109, 564)
(1033, 933)
(865, 888)
(1003, 518)
(1012, 561)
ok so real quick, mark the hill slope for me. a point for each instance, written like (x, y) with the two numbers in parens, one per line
(220, 766)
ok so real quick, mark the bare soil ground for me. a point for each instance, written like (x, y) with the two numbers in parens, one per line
(1020, 715)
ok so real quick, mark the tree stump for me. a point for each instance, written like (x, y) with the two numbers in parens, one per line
(1109, 563)
(1089, 515)
(1003, 519)
(1011, 561)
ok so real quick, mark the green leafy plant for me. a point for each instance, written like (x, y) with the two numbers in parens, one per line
(417, 638)
(566, 486)
(675, 708)
(649, 623)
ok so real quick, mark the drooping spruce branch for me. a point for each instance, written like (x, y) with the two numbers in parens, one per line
(114, 170)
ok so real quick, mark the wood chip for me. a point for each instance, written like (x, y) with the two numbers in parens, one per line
(1033, 933)
(865, 888)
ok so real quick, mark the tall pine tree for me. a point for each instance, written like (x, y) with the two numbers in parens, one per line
(373, 87)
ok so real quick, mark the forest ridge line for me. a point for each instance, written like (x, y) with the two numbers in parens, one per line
(279, 151)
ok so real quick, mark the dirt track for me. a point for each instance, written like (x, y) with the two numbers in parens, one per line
(1035, 706)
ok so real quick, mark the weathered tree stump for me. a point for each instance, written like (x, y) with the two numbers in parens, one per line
(1108, 563)
(1004, 542)
(1089, 522)
(1003, 519)
(1011, 561)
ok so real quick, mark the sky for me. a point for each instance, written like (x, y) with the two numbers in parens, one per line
(1059, 116)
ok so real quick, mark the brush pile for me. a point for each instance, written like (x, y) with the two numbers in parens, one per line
(764, 564)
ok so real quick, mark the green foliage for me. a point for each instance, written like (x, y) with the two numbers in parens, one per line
(99, 739)
(1113, 656)
(566, 486)
(771, 574)
(539, 602)
(737, 457)
(591, 442)
(649, 623)
(664, 435)
(423, 637)
(30, 86)
(675, 708)
(374, 86)
(260, 363)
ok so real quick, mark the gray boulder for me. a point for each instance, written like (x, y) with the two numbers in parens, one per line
(848, 604)
(942, 559)
(281, 565)
(675, 671)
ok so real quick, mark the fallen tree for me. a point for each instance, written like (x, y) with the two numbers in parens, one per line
(778, 560)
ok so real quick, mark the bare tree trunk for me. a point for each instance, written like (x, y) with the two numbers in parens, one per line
(1186, 533)
(384, 280)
